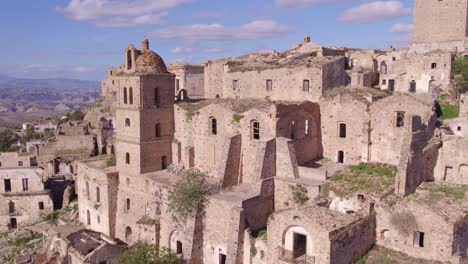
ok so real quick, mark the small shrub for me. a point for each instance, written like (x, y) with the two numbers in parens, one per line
(111, 161)
(404, 222)
(237, 117)
(259, 233)
(299, 194)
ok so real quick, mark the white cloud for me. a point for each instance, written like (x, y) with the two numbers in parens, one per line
(182, 50)
(402, 28)
(214, 50)
(120, 13)
(303, 3)
(84, 72)
(259, 29)
(375, 11)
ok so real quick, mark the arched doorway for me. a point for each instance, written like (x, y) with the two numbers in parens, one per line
(340, 158)
(128, 233)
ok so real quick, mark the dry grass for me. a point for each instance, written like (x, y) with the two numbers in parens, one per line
(404, 222)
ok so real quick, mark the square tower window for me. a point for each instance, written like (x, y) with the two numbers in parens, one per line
(433, 65)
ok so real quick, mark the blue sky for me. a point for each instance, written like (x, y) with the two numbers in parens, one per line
(82, 38)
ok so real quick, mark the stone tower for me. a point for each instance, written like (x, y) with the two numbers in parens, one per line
(440, 20)
(145, 113)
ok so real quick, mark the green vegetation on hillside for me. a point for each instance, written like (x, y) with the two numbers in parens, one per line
(459, 75)
(364, 177)
(142, 253)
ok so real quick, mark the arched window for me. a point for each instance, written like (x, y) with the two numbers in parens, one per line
(88, 217)
(164, 162)
(130, 95)
(129, 60)
(87, 189)
(342, 130)
(383, 67)
(214, 126)
(127, 158)
(125, 95)
(292, 130)
(127, 205)
(127, 122)
(158, 130)
(98, 194)
(128, 233)
(157, 100)
(255, 133)
(307, 128)
(375, 66)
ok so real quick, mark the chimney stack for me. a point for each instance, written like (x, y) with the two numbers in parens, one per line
(307, 39)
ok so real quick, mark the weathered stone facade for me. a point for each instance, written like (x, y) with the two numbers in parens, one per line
(23, 199)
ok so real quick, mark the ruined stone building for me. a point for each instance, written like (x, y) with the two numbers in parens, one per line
(23, 198)
(262, 126)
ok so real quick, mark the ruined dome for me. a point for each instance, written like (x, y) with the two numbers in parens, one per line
(149, 62)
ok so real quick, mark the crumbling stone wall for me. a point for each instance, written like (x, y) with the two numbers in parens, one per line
(396, 226)
(20, 203)
(437, 21)
(190, 79)
(94, 177)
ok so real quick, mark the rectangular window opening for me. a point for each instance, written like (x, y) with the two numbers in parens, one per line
(269, 85)
(25, 184)
(400, 119)
(7, 185)
(418, 240)
(305, 85)
(234, 85)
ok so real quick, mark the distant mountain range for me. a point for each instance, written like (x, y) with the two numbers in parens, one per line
(29, 99)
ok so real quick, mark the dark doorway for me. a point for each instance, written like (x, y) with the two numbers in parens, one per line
(340, 156)
(299, 245)
(391, 85)
(179, 247)
(412, 88)
(13, 223)
(222, 259)
(164, 162)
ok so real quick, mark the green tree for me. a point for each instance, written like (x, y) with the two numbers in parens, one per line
(143, 253)
(459, 75)
(189, 195)
(7, 138)
(76, 115)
